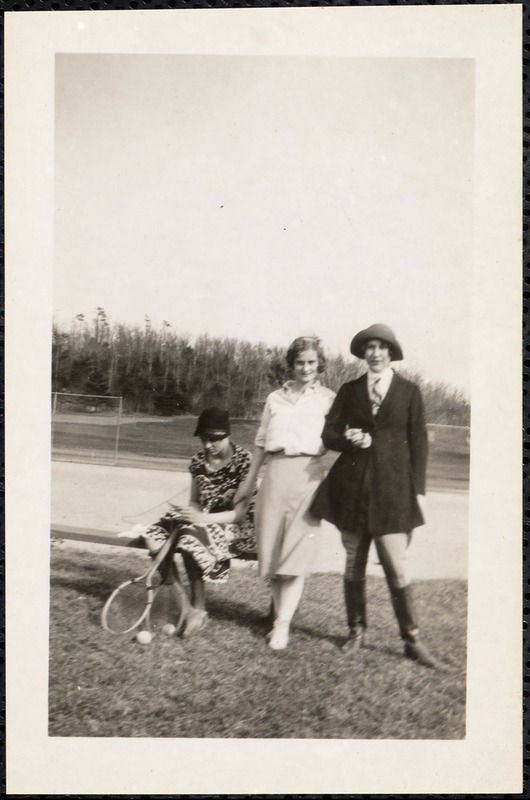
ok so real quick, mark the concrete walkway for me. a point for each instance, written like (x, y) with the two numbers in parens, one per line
(113, 499)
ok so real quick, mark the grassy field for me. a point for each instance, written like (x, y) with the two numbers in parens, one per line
(225, 682)
(172, 438)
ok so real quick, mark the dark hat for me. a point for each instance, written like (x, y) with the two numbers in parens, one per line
(377, 331)
(213, 419)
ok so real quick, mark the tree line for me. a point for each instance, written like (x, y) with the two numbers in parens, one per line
(162, 371)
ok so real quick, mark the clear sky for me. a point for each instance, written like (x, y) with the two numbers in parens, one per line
(264, 197)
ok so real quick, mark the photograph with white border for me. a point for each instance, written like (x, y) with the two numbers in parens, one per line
(258, 175)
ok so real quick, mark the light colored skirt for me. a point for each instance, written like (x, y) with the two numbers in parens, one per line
(285, 531)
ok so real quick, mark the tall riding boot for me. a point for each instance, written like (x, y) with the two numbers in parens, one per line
(408, 628)
(355, 600)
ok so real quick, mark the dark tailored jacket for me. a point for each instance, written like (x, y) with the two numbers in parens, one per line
(385, 477)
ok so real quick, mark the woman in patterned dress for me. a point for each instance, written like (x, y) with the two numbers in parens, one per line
(212, 529)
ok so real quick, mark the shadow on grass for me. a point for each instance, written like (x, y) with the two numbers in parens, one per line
(100, 685)
(224, 609)
(95, 588)
(100, 588)
(240, 614)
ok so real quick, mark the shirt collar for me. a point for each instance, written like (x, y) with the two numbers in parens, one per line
(385, 375)
(288, 386)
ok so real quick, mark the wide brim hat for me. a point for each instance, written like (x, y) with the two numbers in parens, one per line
(377, 331)
(213, 420)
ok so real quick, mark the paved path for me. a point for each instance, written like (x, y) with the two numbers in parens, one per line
(113, 499)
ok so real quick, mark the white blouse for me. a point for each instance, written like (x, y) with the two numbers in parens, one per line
(294, 425)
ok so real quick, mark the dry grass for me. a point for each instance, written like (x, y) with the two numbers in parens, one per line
(226, 682)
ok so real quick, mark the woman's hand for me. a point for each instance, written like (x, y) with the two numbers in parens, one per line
(358, 438)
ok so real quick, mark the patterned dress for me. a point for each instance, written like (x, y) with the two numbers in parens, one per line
(211, 545)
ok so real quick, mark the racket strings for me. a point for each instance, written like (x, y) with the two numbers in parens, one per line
(126, 608)
(165, 609)
(132, 603)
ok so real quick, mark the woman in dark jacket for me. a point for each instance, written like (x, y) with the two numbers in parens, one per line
(376, 488)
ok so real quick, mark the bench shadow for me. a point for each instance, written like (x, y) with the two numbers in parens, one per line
(99, 589)
(96, 588)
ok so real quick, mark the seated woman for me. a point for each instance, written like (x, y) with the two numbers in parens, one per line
(211, 529)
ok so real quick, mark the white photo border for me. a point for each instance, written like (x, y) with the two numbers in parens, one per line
(490, 757)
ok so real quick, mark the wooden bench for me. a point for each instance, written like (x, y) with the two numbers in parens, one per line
(109, 537)
(95, 537)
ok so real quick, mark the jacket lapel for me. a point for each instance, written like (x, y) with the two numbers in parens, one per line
(363, 398)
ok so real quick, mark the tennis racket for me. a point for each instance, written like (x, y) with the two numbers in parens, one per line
(133, 601)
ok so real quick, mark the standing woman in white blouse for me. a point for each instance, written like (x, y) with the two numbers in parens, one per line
(289, 439)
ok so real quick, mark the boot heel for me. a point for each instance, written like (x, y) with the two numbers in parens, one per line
(353, 644)
(404, 610)
(417, 651)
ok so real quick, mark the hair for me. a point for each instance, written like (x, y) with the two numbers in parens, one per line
(303, 343)
(390, 347)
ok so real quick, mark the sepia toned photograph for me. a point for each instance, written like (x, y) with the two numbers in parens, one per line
(224, 227)
(263, 386)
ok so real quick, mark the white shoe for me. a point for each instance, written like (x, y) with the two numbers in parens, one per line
(134, 533)
(195, 621)
(279, 636)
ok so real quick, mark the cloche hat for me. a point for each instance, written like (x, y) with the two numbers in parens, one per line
(377, 331)
(213, 419)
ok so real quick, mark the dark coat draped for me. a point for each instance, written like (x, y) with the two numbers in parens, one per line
(389, 474)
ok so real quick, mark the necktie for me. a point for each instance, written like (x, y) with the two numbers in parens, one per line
(376, 398)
